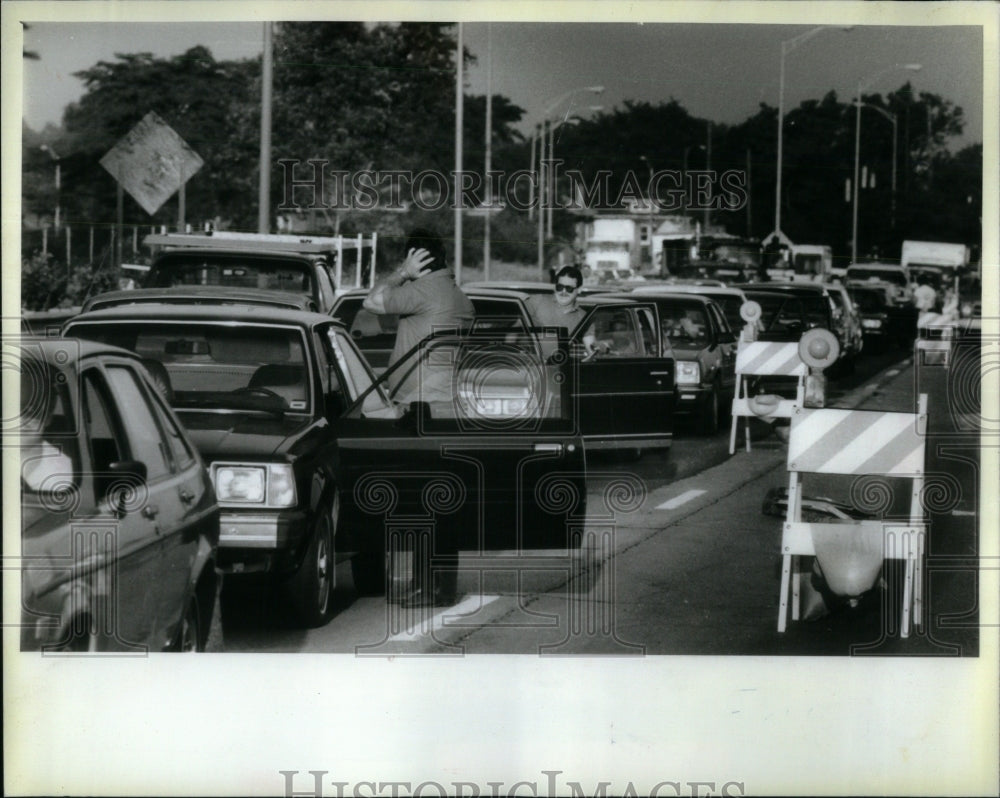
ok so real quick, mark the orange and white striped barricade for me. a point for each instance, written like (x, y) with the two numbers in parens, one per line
(855, 442)
(765, 359)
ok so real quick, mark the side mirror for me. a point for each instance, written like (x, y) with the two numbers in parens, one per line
(417, 415)
(130, 468)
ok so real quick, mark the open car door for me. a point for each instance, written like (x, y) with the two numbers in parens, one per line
(473, 435)
(626, 377)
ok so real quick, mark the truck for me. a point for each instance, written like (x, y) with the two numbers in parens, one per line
(939, 261)
(811, 262)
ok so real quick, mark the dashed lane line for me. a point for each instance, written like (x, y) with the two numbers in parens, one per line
(470, 604)
(677, 501)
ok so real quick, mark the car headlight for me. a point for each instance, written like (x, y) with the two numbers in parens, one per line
(966, 310)
(271, 485)
(687, 372)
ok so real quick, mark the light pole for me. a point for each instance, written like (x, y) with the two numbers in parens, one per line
(892, 118)
(55, 157)
(489, 150)
(550, 189)
(543, 183)
(684, 170)
(862, 85)
(786, 47)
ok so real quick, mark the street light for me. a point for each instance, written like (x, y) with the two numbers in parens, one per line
(55, 157)
(550, 188)
(892, 118)
(786, 47)
(863, 84)
(543, 178)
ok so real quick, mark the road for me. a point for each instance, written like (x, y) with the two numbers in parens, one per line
(679, 559)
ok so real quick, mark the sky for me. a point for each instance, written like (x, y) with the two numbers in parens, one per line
(716, 71)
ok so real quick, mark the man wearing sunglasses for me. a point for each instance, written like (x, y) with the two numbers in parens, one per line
(560, 308)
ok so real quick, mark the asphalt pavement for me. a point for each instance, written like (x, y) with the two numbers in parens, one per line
(680, 559)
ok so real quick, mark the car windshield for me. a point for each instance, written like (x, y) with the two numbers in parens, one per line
(47, 427)
(684, 323)
(884, 275)
(211, 366)
(868, 301)
(730, 305)
(291, 278)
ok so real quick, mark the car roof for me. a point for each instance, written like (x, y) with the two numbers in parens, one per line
(689, 288)
(206, 294)
(247, 314)
(230, 253)
(791, 288)
(892, 267)
(652, 296)
(527, 286)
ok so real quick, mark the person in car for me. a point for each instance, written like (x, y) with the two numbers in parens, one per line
(423, 293)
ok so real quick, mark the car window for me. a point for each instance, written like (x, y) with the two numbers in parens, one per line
(211, 366)
(145, 439)
(497, 314)
(615, 332)
(103, 430)
(180, 452)
(47, 428)
(293, 278)
(357, 377)
(684, 323)
(647, 332)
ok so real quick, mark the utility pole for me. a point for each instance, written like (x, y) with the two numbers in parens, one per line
(264, 191)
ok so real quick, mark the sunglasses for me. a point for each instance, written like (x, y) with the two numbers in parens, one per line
(562, 288)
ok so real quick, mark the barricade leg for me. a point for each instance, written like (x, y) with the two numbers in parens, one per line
(786, 568)
(796, 585)
(904, 629)
(732, 435)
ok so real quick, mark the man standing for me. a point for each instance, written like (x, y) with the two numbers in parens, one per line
(423, 293)
(925, 299)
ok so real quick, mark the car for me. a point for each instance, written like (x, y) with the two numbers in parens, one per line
(815, 308)
(204, 295)
(537, 287)
(881, 324)
(626, 397)
(897, 276)
(311, 266)
(728, 298)
(293, 425)
(120, 524)
(848, 320)
(785, 315)
(704, 348)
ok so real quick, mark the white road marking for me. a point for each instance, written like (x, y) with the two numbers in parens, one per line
(677, 501)
(467, 606)
(892, 372)
(963, 512)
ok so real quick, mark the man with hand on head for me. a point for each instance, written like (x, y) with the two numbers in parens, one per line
(423, 293)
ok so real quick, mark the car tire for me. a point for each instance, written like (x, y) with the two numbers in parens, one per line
(311, 587)
(708, 417)
(368, 568)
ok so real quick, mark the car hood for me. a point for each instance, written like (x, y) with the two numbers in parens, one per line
(252, 435)
(687, 351)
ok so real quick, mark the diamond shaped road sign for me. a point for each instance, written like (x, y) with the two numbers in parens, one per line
(151, 162)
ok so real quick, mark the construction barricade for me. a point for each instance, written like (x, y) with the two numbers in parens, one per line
(851, 553)
(763, 359)
(933, 345)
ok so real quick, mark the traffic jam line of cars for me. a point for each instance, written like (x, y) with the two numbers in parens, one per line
(233, 416)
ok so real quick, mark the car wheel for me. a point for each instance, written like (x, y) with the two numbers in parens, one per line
(708, 420)
(312, 584)
(368, 568)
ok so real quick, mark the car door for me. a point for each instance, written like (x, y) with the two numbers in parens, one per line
(626, 392)
(486, 455)
(725, 342)
(169, 490)
(374, 335)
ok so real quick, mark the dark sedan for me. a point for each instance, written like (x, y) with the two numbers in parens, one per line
(704, 348)
(263, 392)
(119, 519)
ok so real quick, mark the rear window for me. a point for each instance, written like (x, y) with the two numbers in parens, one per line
(867, 301)
(887, 276)
(291, 278)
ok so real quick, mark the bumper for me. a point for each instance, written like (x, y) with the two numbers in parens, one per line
(259, 541)
(692, 398)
